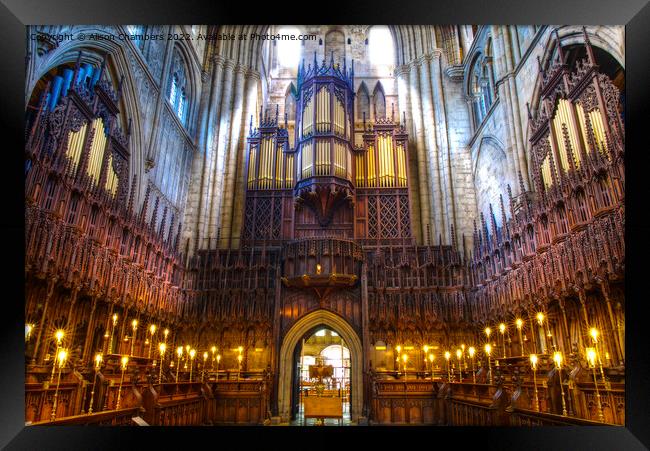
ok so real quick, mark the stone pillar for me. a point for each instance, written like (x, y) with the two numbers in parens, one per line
(209, 149)
(232, 148)
(250, 99)
(432, 148)
(417, 196)
(422, 159)
(221, 150)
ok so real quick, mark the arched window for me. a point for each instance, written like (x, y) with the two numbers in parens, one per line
(379, 102)
(381, 49)
(481, 84)
(178, 88)
(288, 51)
(363, 102)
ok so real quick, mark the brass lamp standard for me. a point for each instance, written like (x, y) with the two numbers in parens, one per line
(59, 334)
(218, 360)
(405, 358)
(591, 358)
(213, 349)
(519, 322)
(447, 357)
(134, 325)
(425, 349)
(462, 347)
(460, 368)
(488, 331)
(540, 321)
(239, 359)
(192, 354)
(179, 352)
(472, 351)
(533, 365)
(205, 359)
(162, 347)
(124, 363)
(152, 331)
(502, 329)
(110, 343)
(61, 357)
(398, 348)
(29, 328)
(431, 357)
(593, 332)
(557, 358)
(98, 364)
(488, 351)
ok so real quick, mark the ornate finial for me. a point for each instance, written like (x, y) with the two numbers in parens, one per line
(364, 121)
(277, 112)
(315, 61)
(522, 188)
(286, 120)
(559, 46)
(332, 59)
(590, 50)
(392, 111)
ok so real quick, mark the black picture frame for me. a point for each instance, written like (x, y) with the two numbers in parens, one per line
(16, 14)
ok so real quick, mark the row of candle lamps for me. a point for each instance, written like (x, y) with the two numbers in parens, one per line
(591, 352)
(61, 356)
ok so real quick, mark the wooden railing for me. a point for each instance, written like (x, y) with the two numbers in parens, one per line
(122, 417)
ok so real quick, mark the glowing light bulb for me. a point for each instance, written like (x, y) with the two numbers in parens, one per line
(472, 350)
(533, 361)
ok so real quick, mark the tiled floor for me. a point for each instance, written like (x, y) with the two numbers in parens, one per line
(302, 421)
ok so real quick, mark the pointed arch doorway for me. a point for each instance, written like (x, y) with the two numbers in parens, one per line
(292, 342)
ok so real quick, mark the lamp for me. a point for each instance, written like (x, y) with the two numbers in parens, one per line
(98, 364)
(239, 359)
(166, 333)
(179, 352)
(124, 362)
(425, 349)
(59, 334)
(462, 347)
(405, 358)
(519, 322)
(213, 349)
(61, 357)
(472, 351)
(502, 329)
(591, 358)
(488, 331)
(533, 365)
(447, 357)
(557, 358)
(110, 344)
(192, 354)
(28, 331)
(431, 357)
(152, 331)
(218, 360)
(460, 370)
(134, 325)
(593, 332)
(162, 347)
(488, 350)
(205, 359)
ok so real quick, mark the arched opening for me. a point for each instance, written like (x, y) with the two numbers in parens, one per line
(321, 351)
(289, 358)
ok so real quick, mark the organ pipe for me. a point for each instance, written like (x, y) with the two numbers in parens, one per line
(75, 146)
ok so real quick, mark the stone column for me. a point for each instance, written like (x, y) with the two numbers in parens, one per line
(250, 99)
(432, 148)
(232, 147)
(422, 160)
(221, 150)
(209, 150)
(417, 196)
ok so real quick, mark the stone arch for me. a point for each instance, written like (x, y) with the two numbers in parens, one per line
(363, 102)
(292, 338)
(379, 102)
(492, 173)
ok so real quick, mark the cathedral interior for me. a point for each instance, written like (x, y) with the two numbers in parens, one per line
(364, 225)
